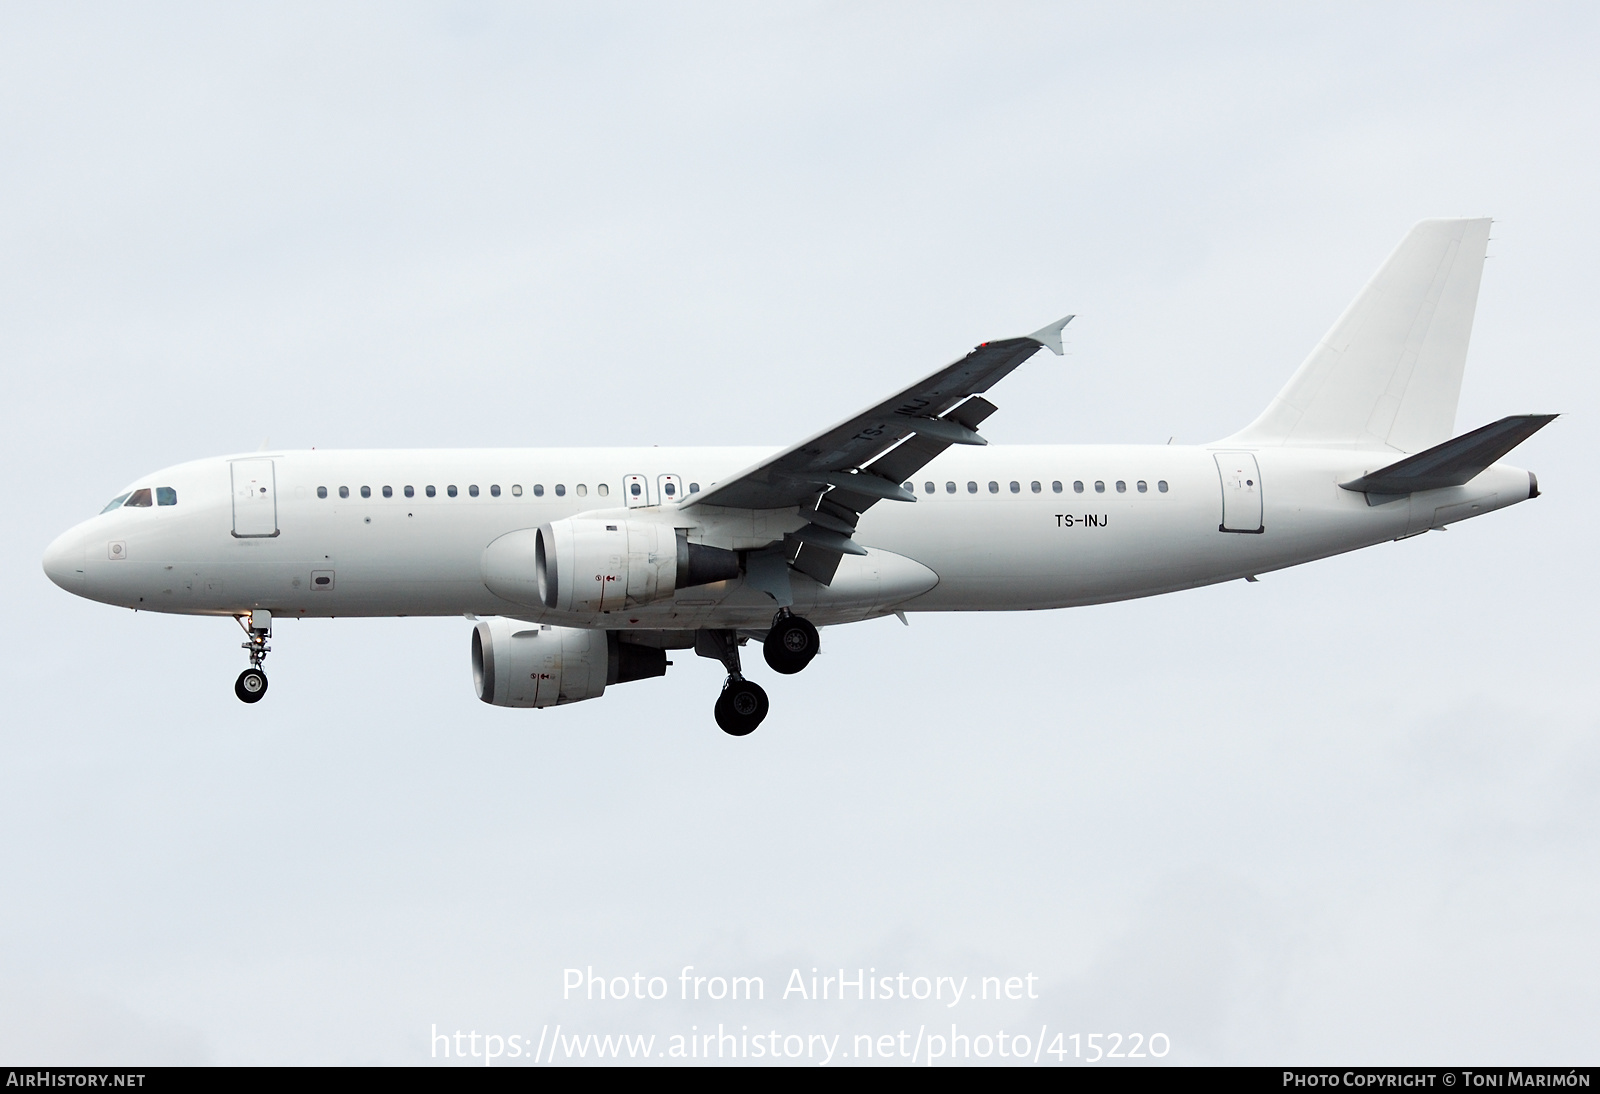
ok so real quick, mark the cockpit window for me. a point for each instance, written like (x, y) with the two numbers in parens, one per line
(114, 502)
(166, 495)
(139, 499)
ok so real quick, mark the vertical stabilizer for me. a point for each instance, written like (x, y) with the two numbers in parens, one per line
(1388, 375)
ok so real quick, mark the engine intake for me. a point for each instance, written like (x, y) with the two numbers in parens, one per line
(518, 664)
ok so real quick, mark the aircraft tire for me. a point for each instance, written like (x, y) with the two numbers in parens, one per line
(741, 707)
(251, 686)
(790, 645)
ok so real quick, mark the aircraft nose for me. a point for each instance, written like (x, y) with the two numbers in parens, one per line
(63, 561)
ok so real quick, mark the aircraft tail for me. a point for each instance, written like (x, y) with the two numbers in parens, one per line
(1388, 374)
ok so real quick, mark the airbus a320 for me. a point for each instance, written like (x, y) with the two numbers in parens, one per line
(583, 567)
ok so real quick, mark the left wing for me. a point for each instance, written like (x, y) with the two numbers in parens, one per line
(838, 474)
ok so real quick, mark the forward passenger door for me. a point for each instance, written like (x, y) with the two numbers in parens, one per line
(255, 499)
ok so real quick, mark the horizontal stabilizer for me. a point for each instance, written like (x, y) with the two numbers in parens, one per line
(1456, 461)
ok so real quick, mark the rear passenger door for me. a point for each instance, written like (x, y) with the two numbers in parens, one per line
(1241, 492)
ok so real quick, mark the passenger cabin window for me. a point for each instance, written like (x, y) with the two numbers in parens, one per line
(114, 502)
(139, 499)
(994, 487)
(1099, 487)
(494, 491)
(1016, 487)
(1161, 485)
(949, 488)
(1122, 487)
(411, 491)
(927, 488)
(1035, 487)
(322, 491)
(388, 491)
(451, 490)
(605, 491)
(1143, 486)
(516, 490)
(538, 489)
(1077, 486)
(972, 487)
(561, 489)
(366, 491)
(344, 491)
(1055, 487)
(430, 491)
(473, 490)
(583, 491)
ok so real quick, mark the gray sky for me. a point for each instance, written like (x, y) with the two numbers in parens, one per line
(391, 225)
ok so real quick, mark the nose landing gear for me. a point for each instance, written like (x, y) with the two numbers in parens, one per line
(252, 682)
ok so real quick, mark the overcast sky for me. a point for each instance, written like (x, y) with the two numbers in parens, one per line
(1347, 813)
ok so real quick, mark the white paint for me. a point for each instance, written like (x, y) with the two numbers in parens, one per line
(461, 532)
(990, 552)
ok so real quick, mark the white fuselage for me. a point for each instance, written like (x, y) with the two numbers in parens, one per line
(1035, 546)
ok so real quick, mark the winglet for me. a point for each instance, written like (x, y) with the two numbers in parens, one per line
(1049, 335)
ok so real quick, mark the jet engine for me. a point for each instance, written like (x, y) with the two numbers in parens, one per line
(595, 564)
(528, 665)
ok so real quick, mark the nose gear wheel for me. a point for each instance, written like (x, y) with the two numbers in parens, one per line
(251, 686)
(252, 682)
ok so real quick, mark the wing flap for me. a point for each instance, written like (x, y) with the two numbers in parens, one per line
(818, 563)
(972, 413)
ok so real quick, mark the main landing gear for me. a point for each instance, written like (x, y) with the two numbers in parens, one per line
(789, 647)
(790, 644)
(742, 704)
(741, 707)
(252, 682)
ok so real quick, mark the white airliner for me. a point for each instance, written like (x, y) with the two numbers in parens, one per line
(583, 567)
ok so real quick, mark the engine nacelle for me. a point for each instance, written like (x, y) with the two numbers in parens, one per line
(528, 665)
(584, 564)
(592, 564)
